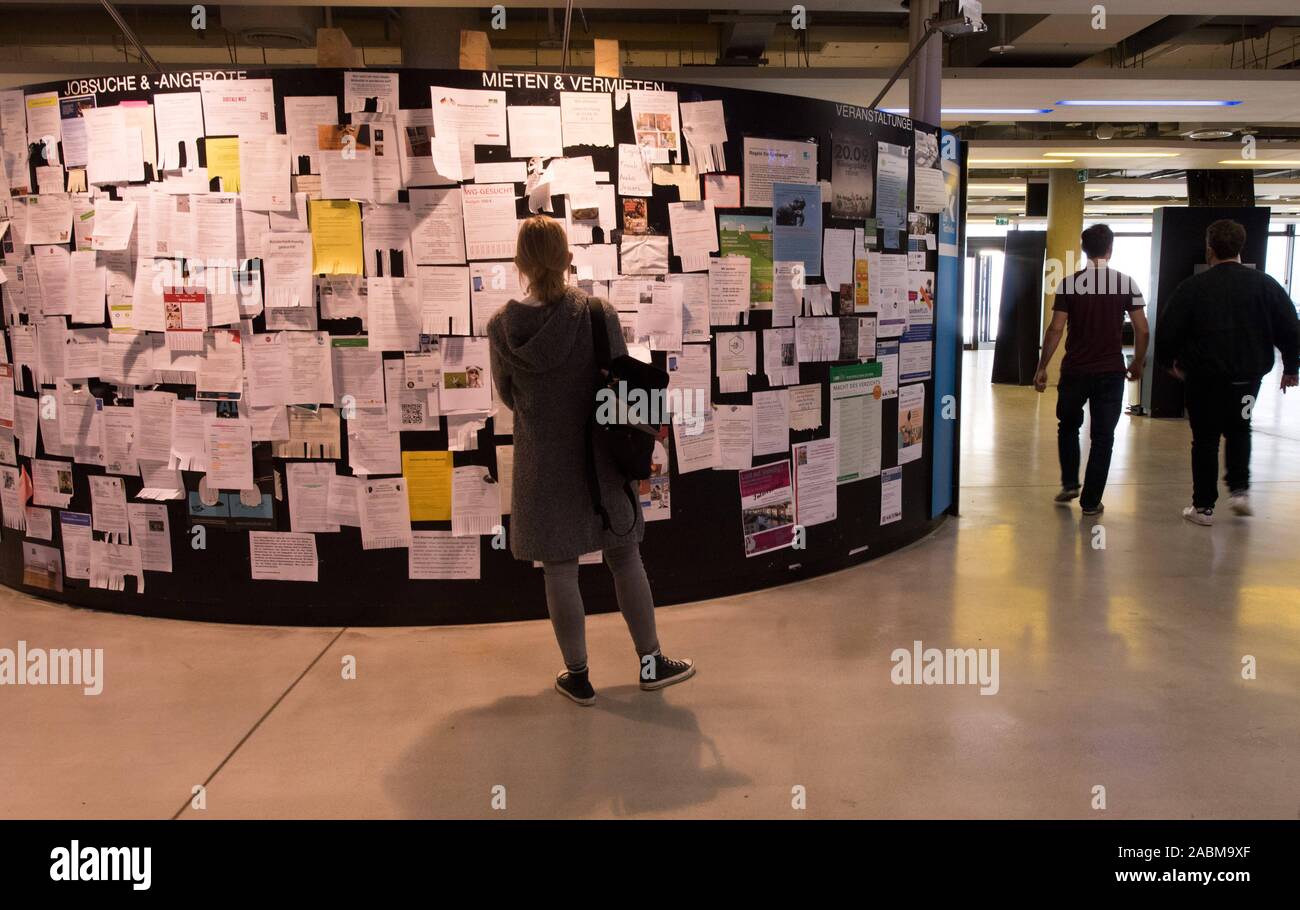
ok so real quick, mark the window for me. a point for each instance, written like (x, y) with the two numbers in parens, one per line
(1294, 289)
(1276, 263)
(1132, 256)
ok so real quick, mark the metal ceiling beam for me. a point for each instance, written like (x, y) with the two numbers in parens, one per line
(131, 36)
(1158, 33)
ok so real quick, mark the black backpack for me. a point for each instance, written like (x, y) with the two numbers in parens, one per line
(619, 384)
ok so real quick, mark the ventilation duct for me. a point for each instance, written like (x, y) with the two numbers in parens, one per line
(279, 26)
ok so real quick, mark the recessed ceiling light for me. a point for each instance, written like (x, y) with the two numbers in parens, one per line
(1140, 102)
(1110, 154)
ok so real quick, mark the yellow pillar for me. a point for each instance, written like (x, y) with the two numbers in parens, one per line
(1064, 253)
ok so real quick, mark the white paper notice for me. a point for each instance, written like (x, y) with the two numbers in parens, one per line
(243, 107)
(230, 454)
(361, 87)
(694, 442)
(534, 131)
(490, 222)
(287, 270)
(444, 299)
(178, 119)
(728, 289)
(769, 161)
(492, 286)
(385, 514)
(587, 119)
(108, 505)
(282, 556)
(439, 554)
(734, 426)
(891, 495)
(815, 465)
(437, 227)
(149, 532)
(475, 501)
(771, 422)
(309, 494)
(633, 172)
(264, 173)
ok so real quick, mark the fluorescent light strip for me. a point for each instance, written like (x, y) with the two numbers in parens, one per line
(1136, 102)
(1279, 162)
(1073, 155)
(975, 110)
(1040, 162)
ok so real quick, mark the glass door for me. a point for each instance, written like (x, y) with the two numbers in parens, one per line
(984, 261)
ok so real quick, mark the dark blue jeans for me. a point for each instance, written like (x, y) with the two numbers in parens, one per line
(1103, 393)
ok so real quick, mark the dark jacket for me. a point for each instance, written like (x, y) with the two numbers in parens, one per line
(544, 369)
(1225, 322)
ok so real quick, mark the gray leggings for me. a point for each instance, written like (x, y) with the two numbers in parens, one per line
(564, 603)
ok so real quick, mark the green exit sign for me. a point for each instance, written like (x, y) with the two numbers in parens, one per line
(1001, 219)
(1081, 176)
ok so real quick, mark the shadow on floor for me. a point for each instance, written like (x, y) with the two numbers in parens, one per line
(632, 753)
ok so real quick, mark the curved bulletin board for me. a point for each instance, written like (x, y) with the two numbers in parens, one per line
(696, 553)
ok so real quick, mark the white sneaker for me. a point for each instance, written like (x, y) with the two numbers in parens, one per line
(1240, 503)
(1199, 516)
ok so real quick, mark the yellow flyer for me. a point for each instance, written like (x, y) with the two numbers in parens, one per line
(428, 485)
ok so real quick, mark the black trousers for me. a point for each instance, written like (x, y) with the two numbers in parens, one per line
(1103, 393)
(1219, 407)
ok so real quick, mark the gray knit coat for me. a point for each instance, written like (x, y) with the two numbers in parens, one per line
(544, 369)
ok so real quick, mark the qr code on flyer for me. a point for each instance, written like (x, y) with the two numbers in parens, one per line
(412, 415)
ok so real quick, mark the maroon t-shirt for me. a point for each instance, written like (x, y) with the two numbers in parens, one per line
(1094, 301)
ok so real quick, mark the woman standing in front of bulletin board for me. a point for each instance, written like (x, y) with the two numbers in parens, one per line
(544, 367)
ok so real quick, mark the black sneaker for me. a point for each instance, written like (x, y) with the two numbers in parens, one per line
(1093, 510)
(664, 671)
(576, 686)
(1066, 494)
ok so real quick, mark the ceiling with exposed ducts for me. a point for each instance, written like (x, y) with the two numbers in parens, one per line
(1134, 98)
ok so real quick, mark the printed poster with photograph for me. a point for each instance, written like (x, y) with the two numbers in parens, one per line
(636, 219)
(853, 176)
(656, 504)
(797, 225)
(750, 236)
(767, 508)
(42, 567)
(656, 123)
(466, 375)
(911, 422)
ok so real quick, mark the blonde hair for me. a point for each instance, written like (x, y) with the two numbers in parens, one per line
(542, 255)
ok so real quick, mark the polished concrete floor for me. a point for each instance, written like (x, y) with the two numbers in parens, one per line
(1119, 668)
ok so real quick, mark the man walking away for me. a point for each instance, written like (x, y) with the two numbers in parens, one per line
(1217, 334)
(1092, 303)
